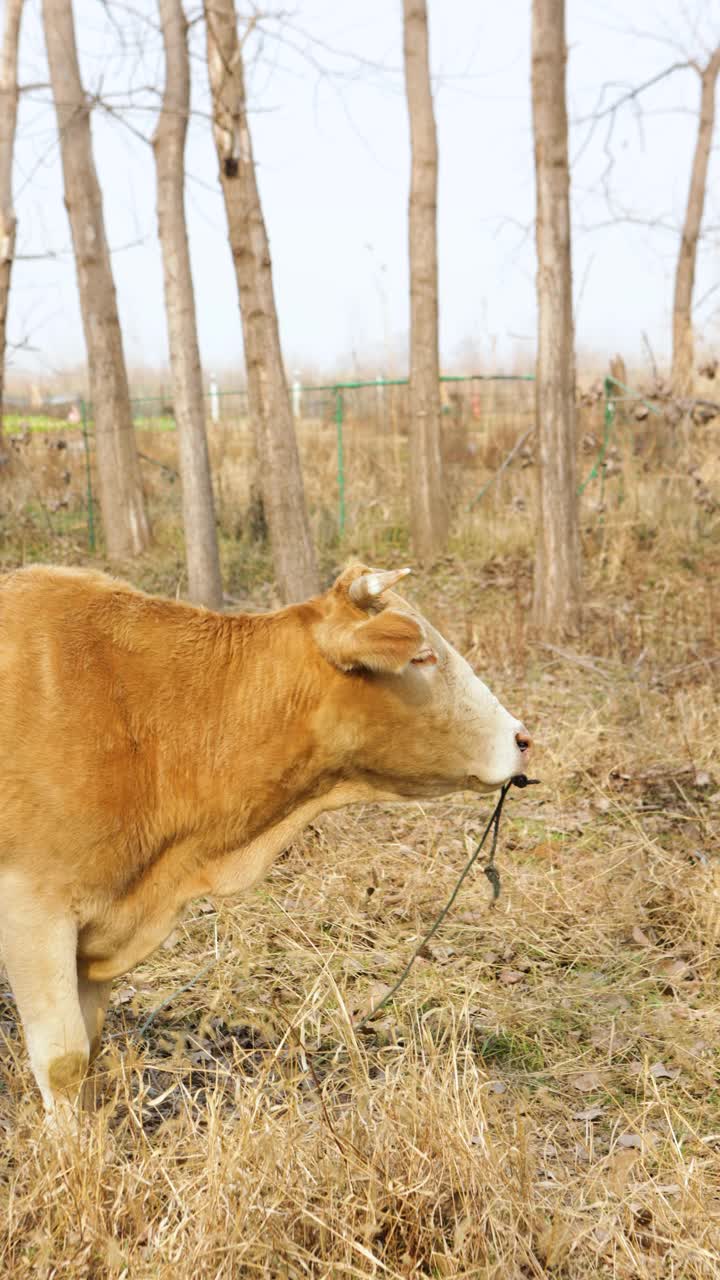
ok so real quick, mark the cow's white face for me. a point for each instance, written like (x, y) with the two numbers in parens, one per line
(483, 742)
(417, 718)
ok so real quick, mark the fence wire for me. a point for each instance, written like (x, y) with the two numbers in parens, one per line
(352, 437)
(353, 441)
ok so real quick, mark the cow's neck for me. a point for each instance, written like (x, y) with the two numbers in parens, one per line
(248, 755)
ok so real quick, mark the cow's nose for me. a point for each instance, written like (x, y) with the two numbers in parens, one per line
(523, 739)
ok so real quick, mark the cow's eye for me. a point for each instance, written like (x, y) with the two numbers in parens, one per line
(425, 658)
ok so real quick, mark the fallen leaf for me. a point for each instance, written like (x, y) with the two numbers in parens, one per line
(370, 1000)
(603, 1234)
(510, 976)
(673, 969)
(610, 1041)
(588, 1081)
(171, 940)
(661, 1072)
(630, 1140)
(641, 938)
(658, 1070)
(124, 995)
(497, 1086)
(590, 1113)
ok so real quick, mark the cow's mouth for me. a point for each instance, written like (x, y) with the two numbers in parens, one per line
(475, 783)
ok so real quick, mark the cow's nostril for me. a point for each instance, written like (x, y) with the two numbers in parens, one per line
(523, 740)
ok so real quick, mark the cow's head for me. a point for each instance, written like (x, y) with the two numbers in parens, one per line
(409, 714)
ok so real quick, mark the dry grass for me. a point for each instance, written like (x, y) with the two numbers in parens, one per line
(543, 1097)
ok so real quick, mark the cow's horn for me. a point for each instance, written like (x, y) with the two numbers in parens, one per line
(369, 586)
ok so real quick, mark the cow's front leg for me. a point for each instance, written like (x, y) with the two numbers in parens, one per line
(39, 945)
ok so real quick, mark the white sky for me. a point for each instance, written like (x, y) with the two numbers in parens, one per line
(331, 142)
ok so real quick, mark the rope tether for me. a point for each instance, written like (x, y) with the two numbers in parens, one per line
(491, 871)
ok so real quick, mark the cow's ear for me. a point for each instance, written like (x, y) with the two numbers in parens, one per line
(386, 642)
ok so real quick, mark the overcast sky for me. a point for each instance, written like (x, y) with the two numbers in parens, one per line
(331, 142)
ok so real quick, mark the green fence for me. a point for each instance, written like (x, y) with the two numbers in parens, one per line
(624, 408)
(353, 440)
(363, 423)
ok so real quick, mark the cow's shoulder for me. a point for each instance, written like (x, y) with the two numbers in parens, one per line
(53, 608)
(36, 581)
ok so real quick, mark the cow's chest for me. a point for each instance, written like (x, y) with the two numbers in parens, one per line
(122, 935)
(119, 932)
(124, 931)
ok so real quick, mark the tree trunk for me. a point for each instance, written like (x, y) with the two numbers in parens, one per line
(125, 522)
(682, 353)
(280, 474)
(201, 547)
(557, 559)
(428, 505)
(8, 120)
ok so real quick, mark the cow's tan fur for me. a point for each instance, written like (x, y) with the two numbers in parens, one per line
(152, 752)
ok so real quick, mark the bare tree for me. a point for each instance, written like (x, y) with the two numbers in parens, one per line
(280, 473)
(428, 505)
(683, 347)
(125, 522)
(201, 547)
(8, 121)
(557, 559)
(609, 109)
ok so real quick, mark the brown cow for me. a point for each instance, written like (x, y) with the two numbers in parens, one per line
(152, 752)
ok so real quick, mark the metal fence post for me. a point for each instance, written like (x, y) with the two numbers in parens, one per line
(88, 475)
(609, 423)
(214, 399)
(296, 395)
(598, 466)
(340, 459)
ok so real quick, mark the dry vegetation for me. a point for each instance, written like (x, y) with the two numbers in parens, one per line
(542, 1098)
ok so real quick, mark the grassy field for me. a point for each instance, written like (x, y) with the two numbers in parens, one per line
(543, 1096)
